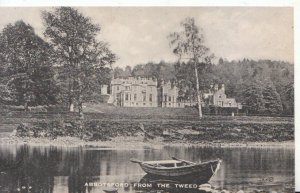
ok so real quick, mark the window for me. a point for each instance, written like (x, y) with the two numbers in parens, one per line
(127, 88)
(126, 97)
(220, 103)
(220, 96)
(135, 97)
(150, 97)
(169, 98)
(230, 104)
(144, 96)
(166, 97)
(117, 87)
(173, 99)
(144, 104)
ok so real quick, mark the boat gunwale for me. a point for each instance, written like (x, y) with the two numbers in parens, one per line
(180, 167)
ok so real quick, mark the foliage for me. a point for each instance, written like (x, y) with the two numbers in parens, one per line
(120, 73)
(188, 45)
(186, 79)
(84, 62)
(273, 104)
(160, 71)
(263, 86)
(26, 67)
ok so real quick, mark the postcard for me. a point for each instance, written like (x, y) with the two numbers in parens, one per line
(144, 99)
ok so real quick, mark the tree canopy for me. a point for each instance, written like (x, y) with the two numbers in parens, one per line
(26, 67)
(84, 60)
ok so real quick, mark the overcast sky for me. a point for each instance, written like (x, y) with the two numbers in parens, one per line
(139, 35)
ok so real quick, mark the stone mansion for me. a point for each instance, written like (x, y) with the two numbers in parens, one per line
(144, 92)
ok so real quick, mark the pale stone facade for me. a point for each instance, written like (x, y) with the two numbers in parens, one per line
(168, 97)
(216, 96)
(104, 89)
(134, 92)
(143, 92)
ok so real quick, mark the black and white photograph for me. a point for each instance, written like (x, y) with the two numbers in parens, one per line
(147, 99)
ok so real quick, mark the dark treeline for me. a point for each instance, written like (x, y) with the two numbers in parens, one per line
(263, 86)
(160, 71)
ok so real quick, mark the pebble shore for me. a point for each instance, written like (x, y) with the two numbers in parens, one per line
(128, 142)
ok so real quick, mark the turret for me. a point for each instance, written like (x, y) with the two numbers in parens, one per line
(223, 87)
(216, 88)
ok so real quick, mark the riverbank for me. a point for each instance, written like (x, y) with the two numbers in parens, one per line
(131, 143)
(146, 127)
(167, 131)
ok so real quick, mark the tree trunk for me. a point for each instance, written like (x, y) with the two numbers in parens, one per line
(70, 96)
(198, 93)
(26, 106)
(71, 102)
(71, 106)
(80, 111)
(26, 97)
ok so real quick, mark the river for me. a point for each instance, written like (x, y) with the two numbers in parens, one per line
(57, 169)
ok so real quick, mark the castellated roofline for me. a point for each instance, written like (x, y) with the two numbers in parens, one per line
(216, 87)
(135, 80)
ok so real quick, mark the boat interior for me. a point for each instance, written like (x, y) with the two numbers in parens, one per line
(168, 163)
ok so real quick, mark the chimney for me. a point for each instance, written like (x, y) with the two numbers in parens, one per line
(223, 87)
(216, 87)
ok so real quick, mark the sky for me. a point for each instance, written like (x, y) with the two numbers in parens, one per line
(139, 34)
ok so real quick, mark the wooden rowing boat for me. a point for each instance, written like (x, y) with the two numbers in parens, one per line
(111, 190)
(180, 170)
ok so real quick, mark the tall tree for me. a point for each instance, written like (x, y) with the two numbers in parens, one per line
(250, 93)
(188, 45)
(27, 77)
(128, 71)
(273, 104)
(82, 58)
(118, 72)
(186, 80)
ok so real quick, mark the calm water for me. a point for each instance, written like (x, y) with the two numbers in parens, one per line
(61, 169)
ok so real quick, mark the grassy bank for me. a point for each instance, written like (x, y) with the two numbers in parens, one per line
(166, 125)
(205, 131)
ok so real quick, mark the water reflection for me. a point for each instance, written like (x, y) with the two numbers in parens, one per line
(70, 169)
